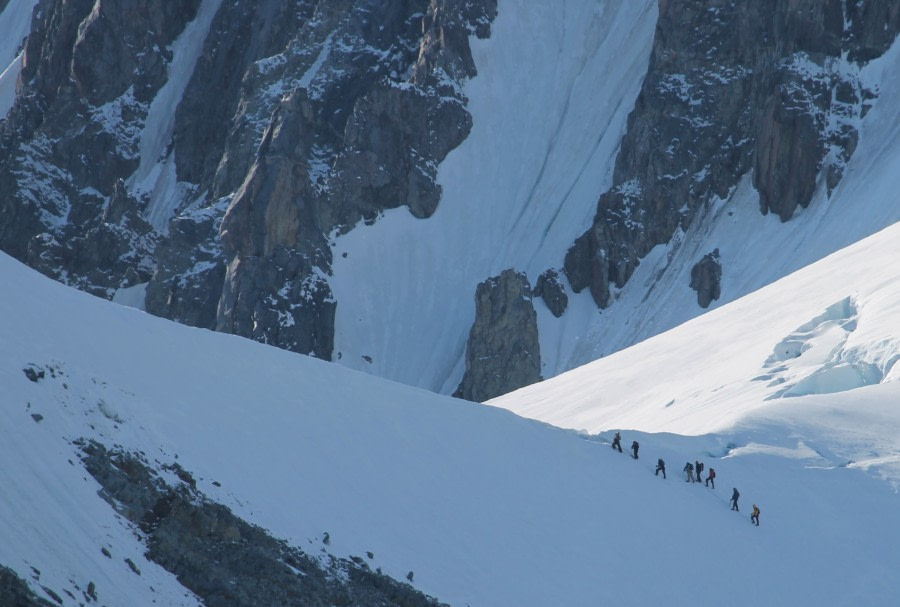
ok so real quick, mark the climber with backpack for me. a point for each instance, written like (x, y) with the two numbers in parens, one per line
(711, 478)
(755, 516)
(689, 469)
(617, 442)
(660, 467)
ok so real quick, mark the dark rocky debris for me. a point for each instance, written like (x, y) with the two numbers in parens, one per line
(224, 560)
(706, 278)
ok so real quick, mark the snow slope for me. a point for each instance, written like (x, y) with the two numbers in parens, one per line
(15, 24)
(487, 508)
(757, 250)
(156, 171)
(548, 116)
(8, 79)
(815, 352)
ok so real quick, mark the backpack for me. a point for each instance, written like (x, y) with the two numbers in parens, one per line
(661, 463)
(712, 473)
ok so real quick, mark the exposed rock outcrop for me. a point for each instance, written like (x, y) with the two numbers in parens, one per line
(190, 269)
(550, 288)
(108, 252)
(14, 592)
(353, 142)
(223, 559)
(299, 120)
(769, 87)
(706, 278)
(73, 135)
(503, 351)
(302, 119)
(280, 299)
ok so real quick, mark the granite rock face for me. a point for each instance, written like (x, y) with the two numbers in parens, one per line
(86, 84)
(769, 88)
(239, 138)
(550, 288)
(357, 140)
(111, 251)
(503, 351)
(190, 269)
(296, 120)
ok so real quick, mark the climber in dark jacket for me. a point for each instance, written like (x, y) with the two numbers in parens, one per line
(617, 442)
(698, 470)
(634, 447)
(734, 499)
(689, 468)
(660, 467)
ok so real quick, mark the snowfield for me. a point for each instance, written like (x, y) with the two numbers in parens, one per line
(548, 117)
(485, 507)
(788, 387)
(827, 329)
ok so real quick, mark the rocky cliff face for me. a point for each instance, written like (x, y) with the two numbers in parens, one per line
(213, 151)
(503, 351)
(295, 120)
(381, 109)
(769, 88)
(706, 278)
(89, 74)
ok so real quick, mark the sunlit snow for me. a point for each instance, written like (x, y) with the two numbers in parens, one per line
(548, 116)
(485, 507)
(790, 393)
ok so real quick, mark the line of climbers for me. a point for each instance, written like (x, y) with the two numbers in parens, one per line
(693, 473)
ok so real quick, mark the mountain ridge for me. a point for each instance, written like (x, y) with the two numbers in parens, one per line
(254, 161)
(465, 496)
